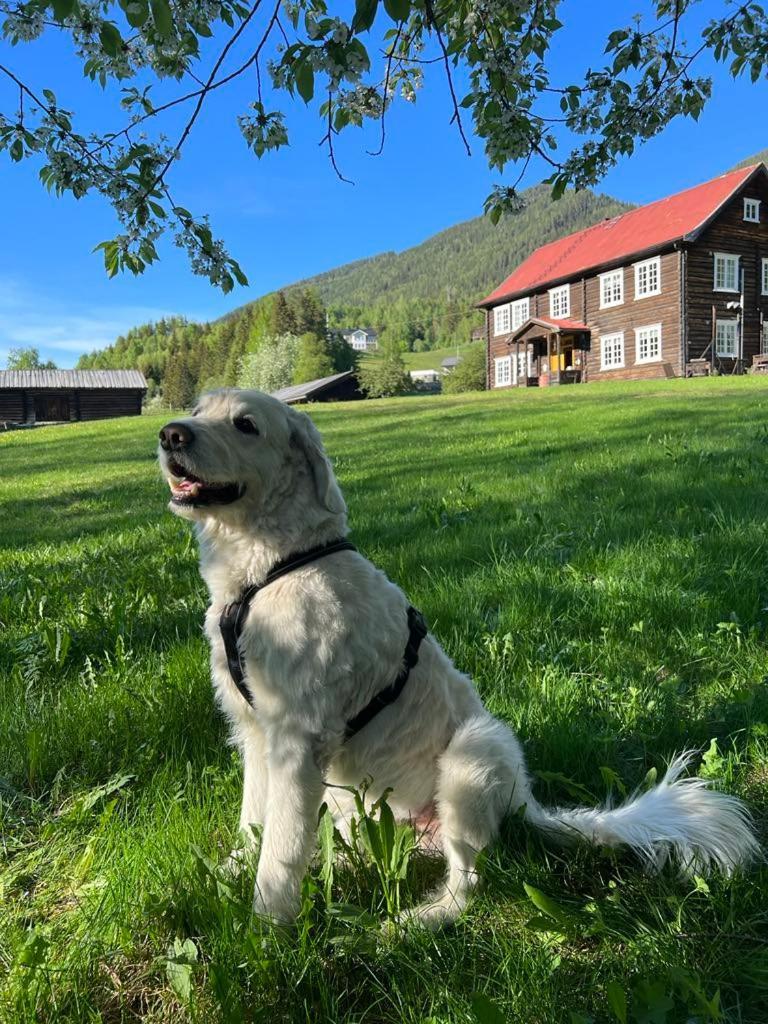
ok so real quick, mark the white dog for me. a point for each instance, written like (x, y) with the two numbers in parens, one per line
(321, 641)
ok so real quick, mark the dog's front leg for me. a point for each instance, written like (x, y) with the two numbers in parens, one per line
(254, 751)
(294, 792)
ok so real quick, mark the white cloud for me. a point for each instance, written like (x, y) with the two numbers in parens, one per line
(62, 334)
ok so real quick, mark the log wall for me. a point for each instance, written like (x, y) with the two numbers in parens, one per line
(732, 235)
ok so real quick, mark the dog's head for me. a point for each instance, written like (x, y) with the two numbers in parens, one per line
(242, 455)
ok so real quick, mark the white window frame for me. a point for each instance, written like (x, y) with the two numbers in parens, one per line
(764, 339)
(764, 289)
(751, 205)
(519, 313)
(500, 313)
(727, 259)
(560, 297)
(502, 372)
(612, 345)
(610, 278)
(720, 350)
(648, 358)
(647, 265)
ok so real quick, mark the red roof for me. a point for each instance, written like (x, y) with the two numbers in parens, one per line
(642, 230)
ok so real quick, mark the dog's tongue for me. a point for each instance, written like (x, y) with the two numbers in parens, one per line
(191, 486)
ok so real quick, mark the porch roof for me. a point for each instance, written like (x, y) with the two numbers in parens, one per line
(550, 326)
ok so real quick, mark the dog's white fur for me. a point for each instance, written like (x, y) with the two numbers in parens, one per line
(321, 641)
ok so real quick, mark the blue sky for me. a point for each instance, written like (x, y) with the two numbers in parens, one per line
(287, 216)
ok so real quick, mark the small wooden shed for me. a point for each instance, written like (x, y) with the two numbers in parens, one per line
(56, 396)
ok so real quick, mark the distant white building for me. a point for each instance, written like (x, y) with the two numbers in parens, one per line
(362, 339)
(425, 376)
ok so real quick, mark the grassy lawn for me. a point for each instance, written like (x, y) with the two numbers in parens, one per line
(596, 557)
(429, 360)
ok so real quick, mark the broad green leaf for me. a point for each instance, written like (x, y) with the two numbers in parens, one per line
(617, 1000)
(136, 12)
(545, 903)
(575, 789)
(305, 81)
(63, 8)
(369, 833)
(365, 14)
(162, 17)
(387, 830)
(180, 977)
(111, 40)
(325, 837)
(484, 1010)
(398, 10)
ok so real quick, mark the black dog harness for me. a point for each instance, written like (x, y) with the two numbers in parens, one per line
(234, 615)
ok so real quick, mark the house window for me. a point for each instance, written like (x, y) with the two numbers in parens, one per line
(503, 371)
(765, 277)
(520, 312)
(560, 302)
(752, 210)
(611, 289)
(612, 351)
(764, 346)
(501, 319)
(726, 337)
(648, 344)
(726, 272)
(648, 278)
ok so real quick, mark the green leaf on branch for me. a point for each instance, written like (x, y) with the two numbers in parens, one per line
(62, 9)
(111, 39)
(162, 17)
(136, 12)
(365, 14)
(305, 81)
(398, 10)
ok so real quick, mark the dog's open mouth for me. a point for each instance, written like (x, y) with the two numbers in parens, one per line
(188, 489)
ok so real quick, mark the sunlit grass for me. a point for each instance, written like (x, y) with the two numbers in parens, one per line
(595, 557)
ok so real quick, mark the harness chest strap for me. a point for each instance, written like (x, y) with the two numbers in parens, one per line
(233, 617)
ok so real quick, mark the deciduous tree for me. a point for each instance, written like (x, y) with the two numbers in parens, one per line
(495, 56)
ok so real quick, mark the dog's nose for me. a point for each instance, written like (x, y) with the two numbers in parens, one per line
(174, 436)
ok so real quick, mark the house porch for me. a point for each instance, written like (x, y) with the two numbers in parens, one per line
(549, 352)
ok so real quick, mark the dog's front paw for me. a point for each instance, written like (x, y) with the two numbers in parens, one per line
(236, 863)
(276, 909)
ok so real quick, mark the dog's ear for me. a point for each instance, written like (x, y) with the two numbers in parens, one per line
(306, 437)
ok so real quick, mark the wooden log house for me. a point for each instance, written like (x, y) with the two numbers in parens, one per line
(672, 289)
(55, 396)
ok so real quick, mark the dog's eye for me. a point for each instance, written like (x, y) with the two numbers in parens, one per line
(245, 426)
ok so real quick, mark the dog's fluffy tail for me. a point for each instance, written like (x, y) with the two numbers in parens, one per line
(680, 818)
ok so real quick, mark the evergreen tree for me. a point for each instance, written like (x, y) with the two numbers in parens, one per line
(310, 313)
(312, 361)
(283, 320)
(343, 356)
(178, 384)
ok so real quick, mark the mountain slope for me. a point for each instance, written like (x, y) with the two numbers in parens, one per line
(464, 261)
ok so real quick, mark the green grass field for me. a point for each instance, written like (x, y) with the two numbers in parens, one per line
(428, 360)
(596, 557)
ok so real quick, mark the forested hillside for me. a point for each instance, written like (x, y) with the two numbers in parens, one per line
(422, 298)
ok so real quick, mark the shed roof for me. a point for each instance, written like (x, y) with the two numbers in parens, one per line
(72, 379)
(648, 228)
(312, 388)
